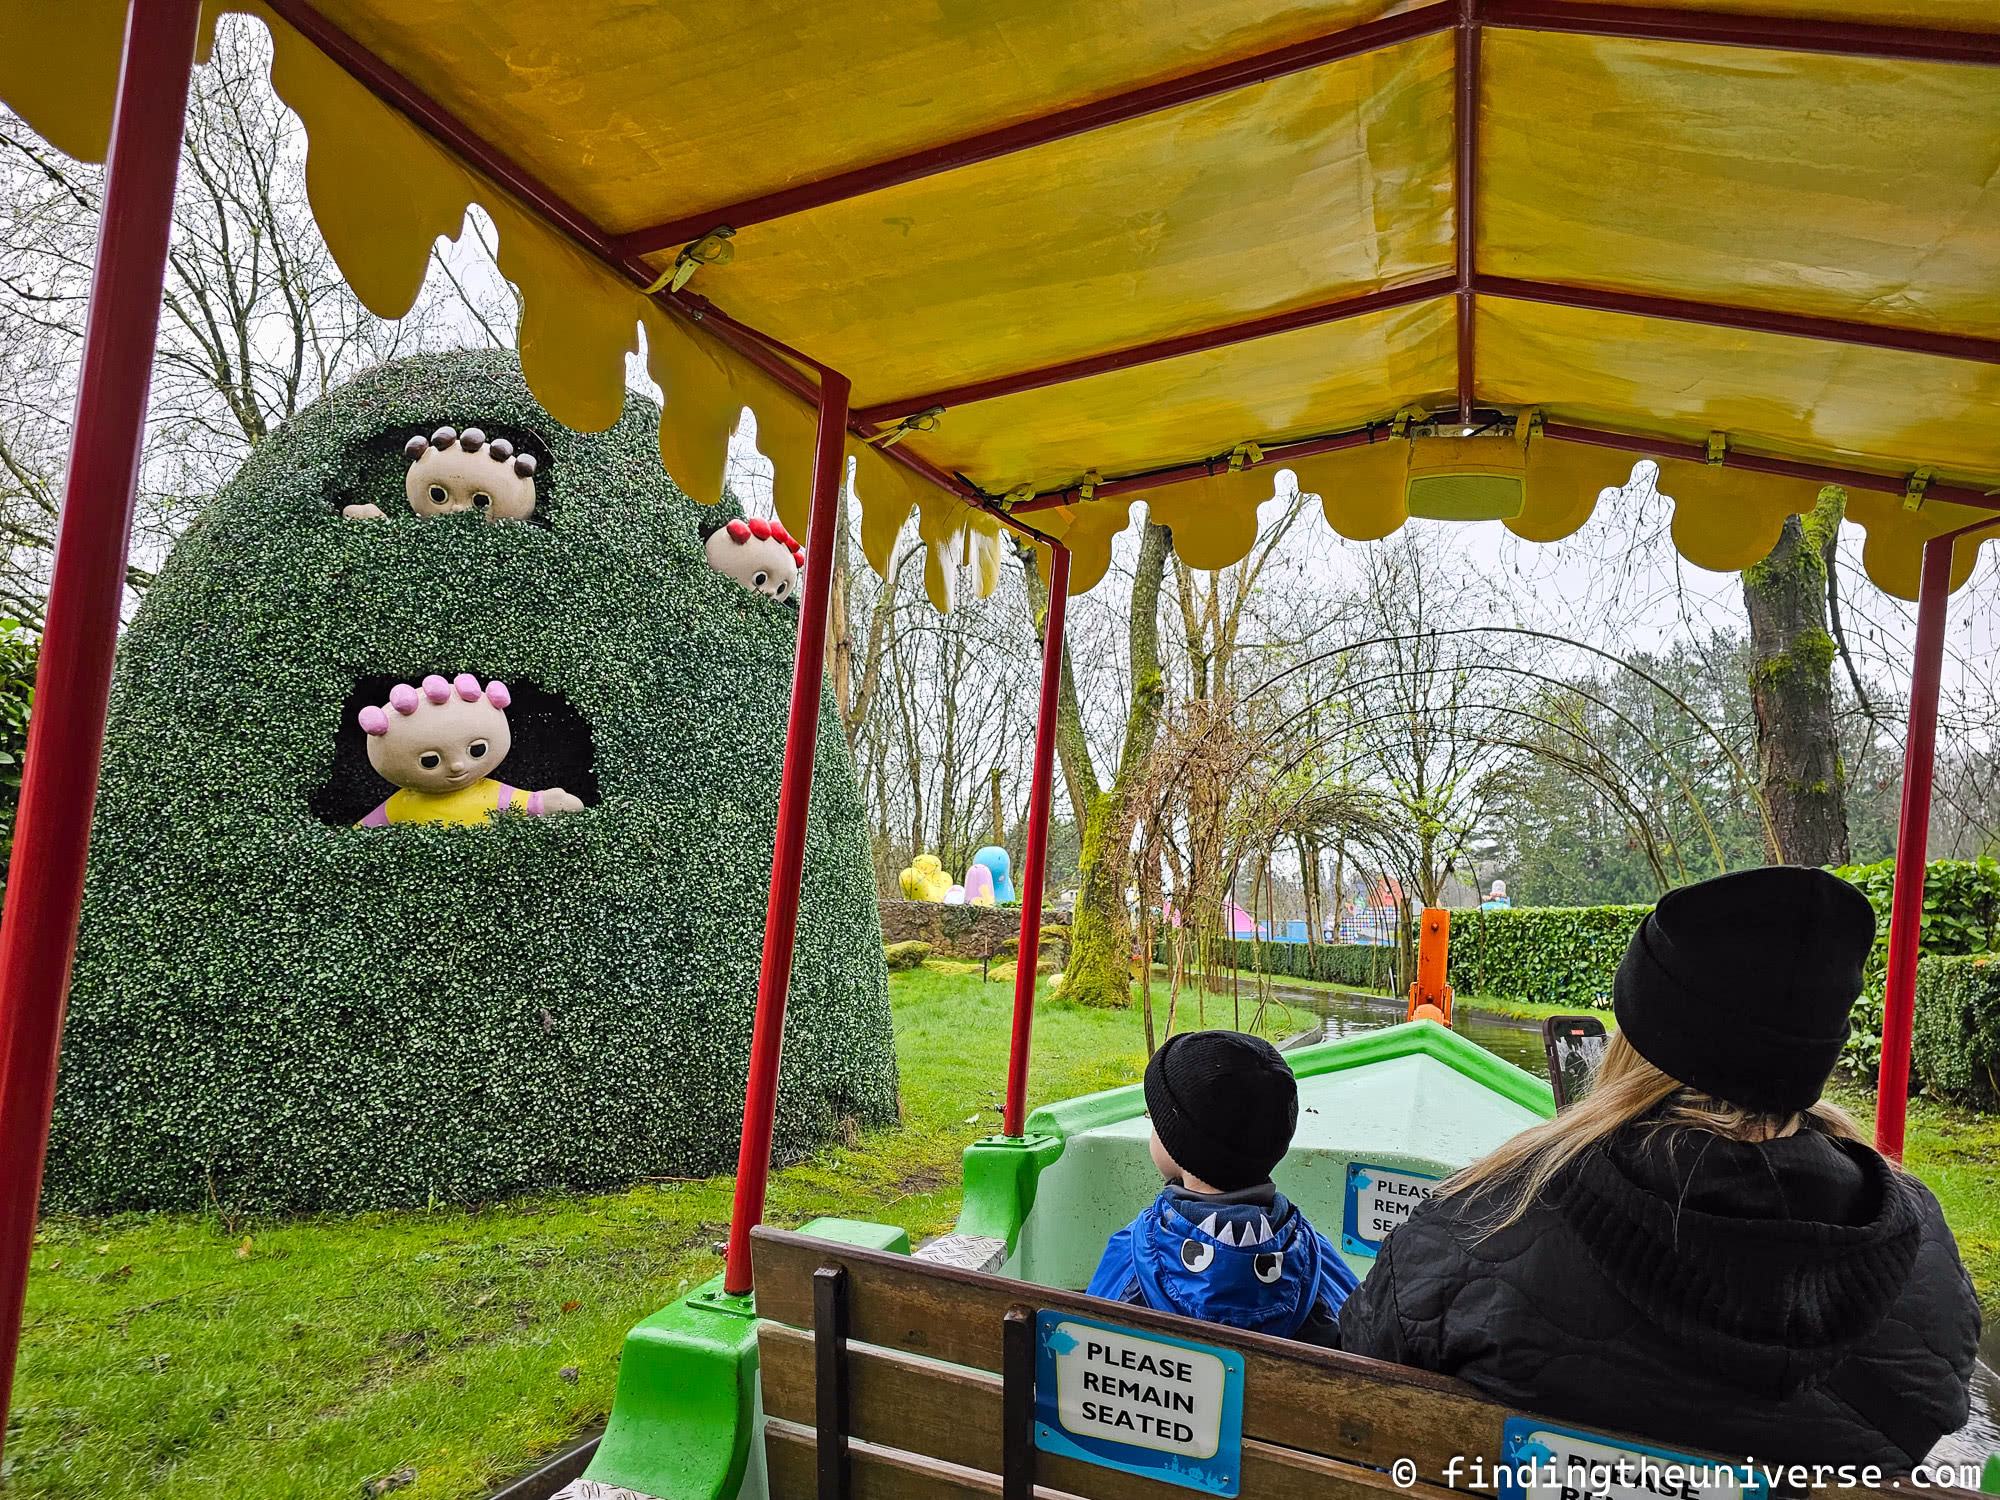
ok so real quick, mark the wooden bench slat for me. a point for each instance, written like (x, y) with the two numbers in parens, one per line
(952, 1414)
(1300, 1403)
(791, 1461)
(1313, 1400)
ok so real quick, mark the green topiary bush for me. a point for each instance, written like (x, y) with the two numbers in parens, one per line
(274, 1010)
(1961, 915)
(903, 956)
(1956, 1046)
(1553, 955)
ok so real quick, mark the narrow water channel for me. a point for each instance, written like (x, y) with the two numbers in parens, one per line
(1326, 1015)
(1330, 1014)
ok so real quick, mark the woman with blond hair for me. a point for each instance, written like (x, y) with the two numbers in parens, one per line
(1703, 1251)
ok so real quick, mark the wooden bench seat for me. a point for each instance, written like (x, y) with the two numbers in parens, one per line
(886, 1377)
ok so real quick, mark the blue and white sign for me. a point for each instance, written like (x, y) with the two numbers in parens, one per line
(1544, 1462)
(1378, 1199)
(1145, 1403)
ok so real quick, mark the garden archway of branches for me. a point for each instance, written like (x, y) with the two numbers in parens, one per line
(1235, 781)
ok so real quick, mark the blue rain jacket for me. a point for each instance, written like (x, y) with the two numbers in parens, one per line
(1247, 1259)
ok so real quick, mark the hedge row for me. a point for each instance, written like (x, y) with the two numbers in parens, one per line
(1961, 916)
(1357, 964)
(1956, 1049)
(273, 1009)
(1568, 955)
(1563, 955)
(1552, 955)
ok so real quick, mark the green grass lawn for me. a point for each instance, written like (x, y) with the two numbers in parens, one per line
(1957, 1154)
(191, 1355)
(184, 1355)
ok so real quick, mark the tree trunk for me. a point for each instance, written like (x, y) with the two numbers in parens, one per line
(1791, 687)
(999, 839)
(1100, 952)
(1072, 744)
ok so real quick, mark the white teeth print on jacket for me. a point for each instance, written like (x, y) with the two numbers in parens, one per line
(1238, 1235)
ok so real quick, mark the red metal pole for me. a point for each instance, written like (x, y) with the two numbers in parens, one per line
(1625, 442)
(66, 732)
(1761, 463)
(1139, 484)
(788, 855)
(1465, 190)
(1906, 904)
(1035, 858)
(1318, 315)
(1978, 348)
(1771, 33)
(1058, 124)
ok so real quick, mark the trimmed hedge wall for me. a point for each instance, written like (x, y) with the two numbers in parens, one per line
(1567, 956)
(275, 1011)
(1956, 1048)
(1553, 955)
(1357, 964)
(1961, 916)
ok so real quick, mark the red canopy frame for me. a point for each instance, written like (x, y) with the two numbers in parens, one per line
(73, 682)
(44, 890)
(1035, 857)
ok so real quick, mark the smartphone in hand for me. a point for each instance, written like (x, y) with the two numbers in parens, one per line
(1575, 1045)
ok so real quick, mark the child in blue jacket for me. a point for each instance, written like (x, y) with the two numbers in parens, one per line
(1221, 1243)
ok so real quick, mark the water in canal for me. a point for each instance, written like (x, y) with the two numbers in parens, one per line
(1326, 1015)
(1329, 1014)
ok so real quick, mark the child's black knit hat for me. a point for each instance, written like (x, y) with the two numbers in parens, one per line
(1224, 1104)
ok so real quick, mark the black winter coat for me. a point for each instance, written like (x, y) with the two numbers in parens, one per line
(1797, 1301)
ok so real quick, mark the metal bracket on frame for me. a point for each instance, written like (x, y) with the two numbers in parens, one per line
(712, 249)
(926, 420)
(1913, 493)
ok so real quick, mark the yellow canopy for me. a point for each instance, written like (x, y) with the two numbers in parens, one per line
(1166, 229)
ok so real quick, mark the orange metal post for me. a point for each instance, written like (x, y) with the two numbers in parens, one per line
(1430, 996)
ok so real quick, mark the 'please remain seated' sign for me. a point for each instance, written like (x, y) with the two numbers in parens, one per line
(1378, 1199)
(1144, 1403)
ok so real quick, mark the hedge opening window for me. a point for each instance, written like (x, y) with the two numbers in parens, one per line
(552, 747)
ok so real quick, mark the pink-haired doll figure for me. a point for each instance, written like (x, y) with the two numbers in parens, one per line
(440, 744)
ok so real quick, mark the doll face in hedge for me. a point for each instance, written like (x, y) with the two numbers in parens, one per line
(438, 743)
(457, 471)
(758, 554)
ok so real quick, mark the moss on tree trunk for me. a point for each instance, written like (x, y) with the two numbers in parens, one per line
(1099, 970)
(1791, 684)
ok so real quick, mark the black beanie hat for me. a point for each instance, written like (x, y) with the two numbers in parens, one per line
(1740, 986)
(1224, 1104)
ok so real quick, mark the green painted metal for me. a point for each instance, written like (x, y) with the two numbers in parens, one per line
(1989, 1476)
(687, 1381)
(1415, 1097)
(1001, 1175)
(863, 1233)
(686, 1407)
(1069, 1117)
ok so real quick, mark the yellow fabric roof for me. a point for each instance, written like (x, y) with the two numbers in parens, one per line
(1853, 180)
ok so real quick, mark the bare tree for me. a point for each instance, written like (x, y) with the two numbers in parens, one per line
(256, 318)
